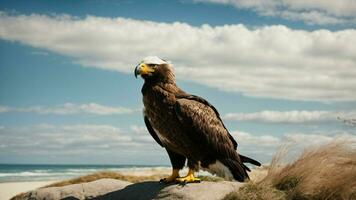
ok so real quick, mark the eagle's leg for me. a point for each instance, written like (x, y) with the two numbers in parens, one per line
(178, 162)
(190, 178)
(172, 177)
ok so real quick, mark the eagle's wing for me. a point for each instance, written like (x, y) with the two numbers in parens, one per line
(205, 128)
(205, 102)
(244, 159)
(152, 131)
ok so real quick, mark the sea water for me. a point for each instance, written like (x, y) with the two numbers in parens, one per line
(19, 173)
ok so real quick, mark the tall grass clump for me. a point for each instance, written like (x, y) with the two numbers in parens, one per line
(324, 172)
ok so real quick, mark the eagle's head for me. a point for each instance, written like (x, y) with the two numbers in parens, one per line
(153, 68)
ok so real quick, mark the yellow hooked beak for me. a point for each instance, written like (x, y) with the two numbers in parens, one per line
(143, 69)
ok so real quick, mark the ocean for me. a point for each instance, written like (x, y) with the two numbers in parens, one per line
(19, 173)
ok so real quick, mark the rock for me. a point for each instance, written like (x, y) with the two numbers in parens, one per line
(88, 190)
(105, 189)
(199, 191)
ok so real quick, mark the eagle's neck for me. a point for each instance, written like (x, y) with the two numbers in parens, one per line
(165, 81)
(160, 87)
(162, 94)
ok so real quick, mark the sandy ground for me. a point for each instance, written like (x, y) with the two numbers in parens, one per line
(8, 190)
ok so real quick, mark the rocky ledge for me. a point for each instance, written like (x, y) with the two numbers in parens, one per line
(116, 189)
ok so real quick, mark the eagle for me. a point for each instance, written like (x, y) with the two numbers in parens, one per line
(187, 126)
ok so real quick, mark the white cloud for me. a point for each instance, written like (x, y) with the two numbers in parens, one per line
(309, 139)
(40, 53)
(71, 139)
(263, 147)
(96, 141)
(271, 61)
(261, 140)
(141, 134)
(311, 12)
(259, 147)
(4, 109)
(302, 141)
(70, 108)
(294, 116)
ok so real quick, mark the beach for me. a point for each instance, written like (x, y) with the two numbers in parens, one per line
(10, 189)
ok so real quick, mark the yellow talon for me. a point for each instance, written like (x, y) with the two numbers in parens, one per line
(172, 177)
(189, 178)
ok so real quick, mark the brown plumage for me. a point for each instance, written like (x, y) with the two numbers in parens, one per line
(187, 126)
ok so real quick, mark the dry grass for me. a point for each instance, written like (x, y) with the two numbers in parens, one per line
(327, 172)
(256, 191)
(107, 174)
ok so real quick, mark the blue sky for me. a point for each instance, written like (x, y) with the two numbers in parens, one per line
(274, 71)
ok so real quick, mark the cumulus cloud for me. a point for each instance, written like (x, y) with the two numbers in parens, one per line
(70, 108)
(295, 116)
(320, 12)
(250, 139)
(4, 109)
(301, 141)
(263, 147)
(96, 141)
(72, 139)
(271, 61)
(141, 134)
(310, 139)
(260, 147)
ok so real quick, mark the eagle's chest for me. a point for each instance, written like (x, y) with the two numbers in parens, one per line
(159, 108)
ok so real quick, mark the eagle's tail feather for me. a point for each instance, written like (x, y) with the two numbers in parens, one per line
(237, 169)
(246, 159)
(245, 167)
